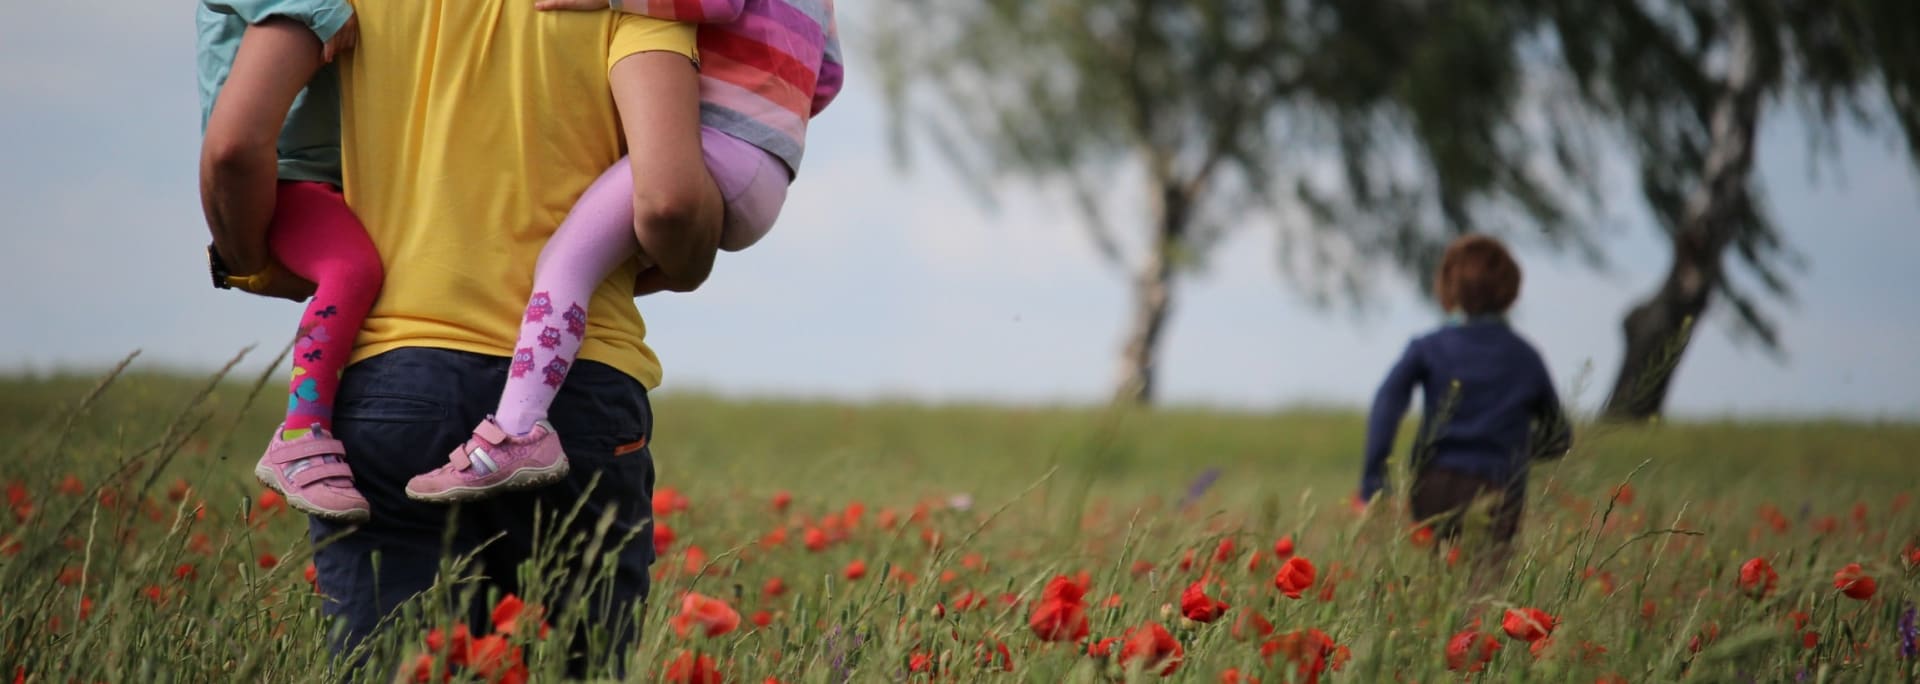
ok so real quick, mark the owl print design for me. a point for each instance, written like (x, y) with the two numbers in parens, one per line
(539, 307)
(576, 318)
(556, 373)
(550, 338)
(522, 362)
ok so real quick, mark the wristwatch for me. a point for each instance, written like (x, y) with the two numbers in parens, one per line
(217, 267)
(226, 280)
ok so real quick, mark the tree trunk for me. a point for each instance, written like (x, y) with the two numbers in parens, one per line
(1152, 298)
(1658, 329)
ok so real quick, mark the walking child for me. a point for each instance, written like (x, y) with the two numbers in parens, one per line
(1488, 404)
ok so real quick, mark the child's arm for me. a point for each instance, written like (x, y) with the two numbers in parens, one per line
(239, 159)
(1383, 423)
(832, 70)
(1552, 430)
(690, 11)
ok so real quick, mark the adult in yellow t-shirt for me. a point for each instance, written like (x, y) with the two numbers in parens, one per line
(468, 129)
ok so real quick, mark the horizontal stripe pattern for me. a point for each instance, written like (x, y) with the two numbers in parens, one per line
(766, 66)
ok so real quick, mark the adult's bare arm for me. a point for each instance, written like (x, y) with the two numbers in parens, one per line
(239, 162)
(676, 206)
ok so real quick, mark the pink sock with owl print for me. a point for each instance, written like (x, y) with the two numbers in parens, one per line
(595, 238)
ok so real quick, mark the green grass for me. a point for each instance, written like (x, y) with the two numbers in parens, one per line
(1053, 491)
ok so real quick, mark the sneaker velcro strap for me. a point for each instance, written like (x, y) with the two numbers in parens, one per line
(490, 432)
(288, 452)
(325, 471)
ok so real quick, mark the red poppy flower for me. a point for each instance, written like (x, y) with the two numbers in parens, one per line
(1250, 625)
(1197, 606)
(179, 490)
(1757, 578)
(495, 660)
(1233, 676)
(1151, 646)
(1186, 561)
(920, 661)
(667, 501)
(687, 669)
(855, 569)
(1470, 651)
(1223, 552)
(889, 518)
(762, 618)
(1528, 624)
(1310, 652)
(1911, 556)
(814, 539)
(457, 648)
(1284, 547)
(1705, 638)
(1294, 577)
(663, 537)
(711, 616)
(696, 560)
(998, 656)
(185, 572)
(781, 500)
(1061, 614)
(423, 670)
(1810, 640)
(1102, 648)
(1854, 582)
(969, 600)
(269, 561)
(1140, 567)
(72, 486)
(774, 587)
(1422, 536)
(510, 613)
(269, 501)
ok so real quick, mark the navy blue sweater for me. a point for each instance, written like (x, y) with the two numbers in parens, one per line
(1488, 405)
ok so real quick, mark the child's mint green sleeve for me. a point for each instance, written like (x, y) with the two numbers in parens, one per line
(324, 17)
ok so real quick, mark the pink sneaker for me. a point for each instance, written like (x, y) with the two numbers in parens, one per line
(491, 462)
(311, 471)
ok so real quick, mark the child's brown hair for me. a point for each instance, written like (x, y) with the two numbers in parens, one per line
(1477, 277)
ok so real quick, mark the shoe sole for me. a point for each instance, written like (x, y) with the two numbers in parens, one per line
(300, 503)
(524, 478)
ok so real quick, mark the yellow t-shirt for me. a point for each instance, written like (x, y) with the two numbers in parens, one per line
(468, 129)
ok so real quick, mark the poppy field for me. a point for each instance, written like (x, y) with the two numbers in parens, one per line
(826, 543)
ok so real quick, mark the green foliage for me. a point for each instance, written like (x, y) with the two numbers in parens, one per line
(1047, 491)
(1368, 133)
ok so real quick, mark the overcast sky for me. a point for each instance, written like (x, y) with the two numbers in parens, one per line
(884, 283)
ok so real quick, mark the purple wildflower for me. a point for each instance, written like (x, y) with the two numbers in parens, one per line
(1199, 486)
(1909, 635)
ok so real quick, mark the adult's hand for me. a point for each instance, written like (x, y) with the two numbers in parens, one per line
(550, 5)
(276, 282)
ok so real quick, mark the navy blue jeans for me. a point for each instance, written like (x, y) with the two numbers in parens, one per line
(401, 412)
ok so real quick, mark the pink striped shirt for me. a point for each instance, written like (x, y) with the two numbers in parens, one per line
(766, 66)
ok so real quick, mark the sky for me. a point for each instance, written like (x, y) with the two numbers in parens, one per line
(884, 282)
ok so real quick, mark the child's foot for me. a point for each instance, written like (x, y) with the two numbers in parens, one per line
(491, 462)
(311, 471)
